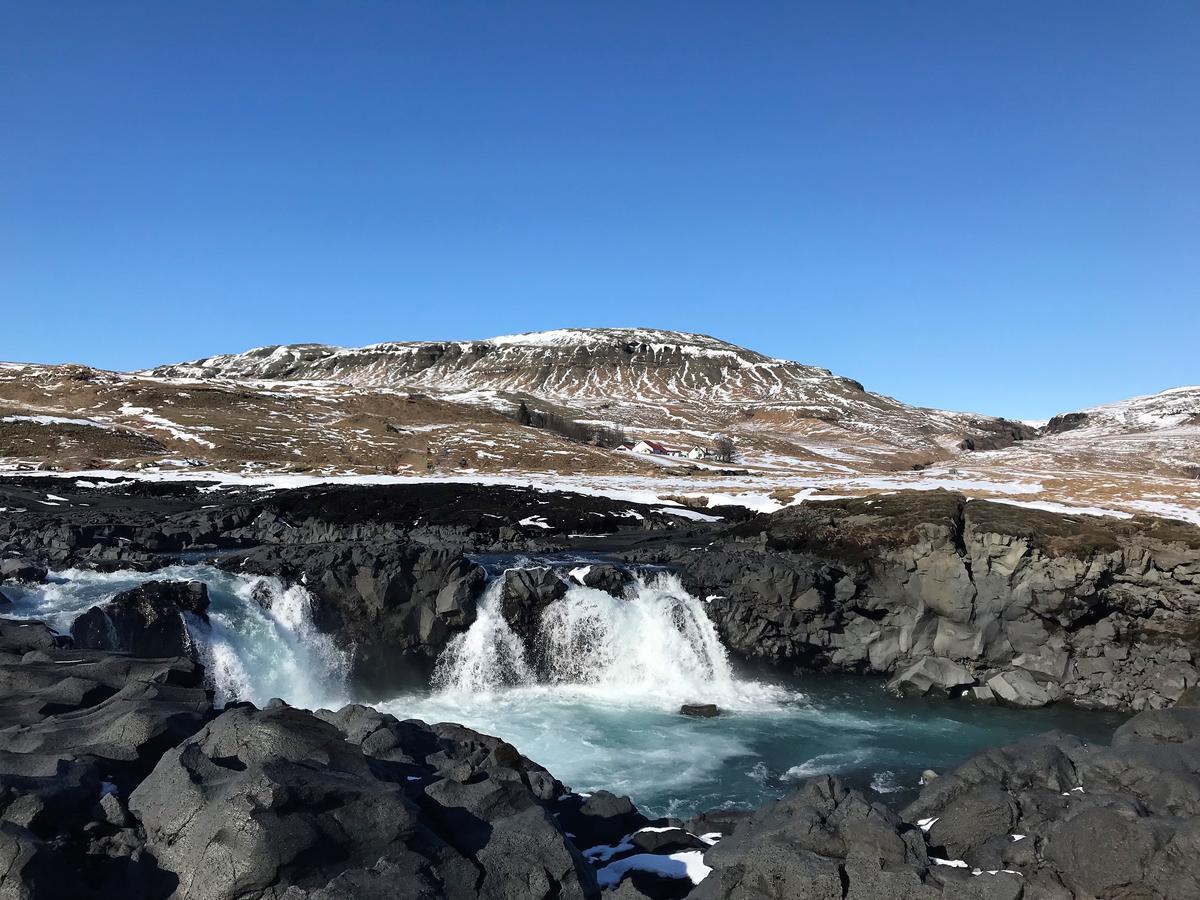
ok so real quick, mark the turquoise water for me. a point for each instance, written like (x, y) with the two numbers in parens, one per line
(600, 710)
(675, 765)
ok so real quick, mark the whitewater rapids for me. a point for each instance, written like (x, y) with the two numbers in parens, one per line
(655, 648)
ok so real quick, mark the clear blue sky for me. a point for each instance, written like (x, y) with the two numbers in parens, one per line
(990, 206)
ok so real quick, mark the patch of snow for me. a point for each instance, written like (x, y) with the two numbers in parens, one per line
(684, 512)
(54, 420)
(688, 864)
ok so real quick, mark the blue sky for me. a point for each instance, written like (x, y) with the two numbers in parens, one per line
(989, 206)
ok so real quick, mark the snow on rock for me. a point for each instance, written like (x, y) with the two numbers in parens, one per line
(687, 864)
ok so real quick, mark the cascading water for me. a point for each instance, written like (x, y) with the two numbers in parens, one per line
(656, 647)
(487, 656)
(657, 644)
(598, 702)
(259, 641)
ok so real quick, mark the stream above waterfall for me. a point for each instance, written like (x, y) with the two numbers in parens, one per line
(598, 702)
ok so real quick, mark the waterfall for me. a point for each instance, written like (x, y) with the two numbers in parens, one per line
(658, 646)
(259, 641)
(487, 656)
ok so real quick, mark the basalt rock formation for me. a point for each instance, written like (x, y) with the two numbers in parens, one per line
(941, 594)
(1018, 606)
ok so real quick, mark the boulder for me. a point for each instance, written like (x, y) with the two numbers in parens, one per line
(20, 636)
(22, 570)
(599, 818)
(931, 676)
(824, 841)
(700, 710)
(665, 840)
(1018, 689)
(271, 803)
(524, 594)
(145, 621)
(608, 578)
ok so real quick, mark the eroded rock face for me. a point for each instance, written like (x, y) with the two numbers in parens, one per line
(1034, 607)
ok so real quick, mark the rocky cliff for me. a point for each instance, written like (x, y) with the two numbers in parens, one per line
(1004, 603)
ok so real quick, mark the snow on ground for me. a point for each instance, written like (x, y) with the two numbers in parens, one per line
(175, 430)
(700, 489)
(1064, 508)
(54, 420)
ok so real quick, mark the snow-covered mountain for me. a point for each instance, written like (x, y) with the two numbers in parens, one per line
(452, 409)
(622, 374)
(568, 364)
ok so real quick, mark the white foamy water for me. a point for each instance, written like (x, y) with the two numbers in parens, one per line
(259, 642)
(655, 648)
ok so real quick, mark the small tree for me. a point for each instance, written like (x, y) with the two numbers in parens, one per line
(523, 416)
(723, 449)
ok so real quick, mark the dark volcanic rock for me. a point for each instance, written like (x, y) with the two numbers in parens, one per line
(20, 636)
(262, 800)
(524, 595)
(611, 579)
(21, 570)
(601, 818)
(820, 842)
(1033, 607)
(145, 621)
(700, 710)
(1102, 821)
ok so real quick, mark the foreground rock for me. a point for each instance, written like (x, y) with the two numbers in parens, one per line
(263, 801)
(119, 780)
(1048, 818)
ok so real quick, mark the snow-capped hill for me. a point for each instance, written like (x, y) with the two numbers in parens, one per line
(643, 379)
(564, 364)
(1169, 409)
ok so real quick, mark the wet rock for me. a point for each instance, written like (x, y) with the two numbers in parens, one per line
(19, 569)
(524, 595)
(1018, 689)
(145, 621)
(700, 710)
(931, 675)
(608, 578)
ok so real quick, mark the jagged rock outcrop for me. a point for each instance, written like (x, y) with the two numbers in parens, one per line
(1078, 820)
(145, 621)
(1047, 818)
(264, 800)
(1036, 607)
